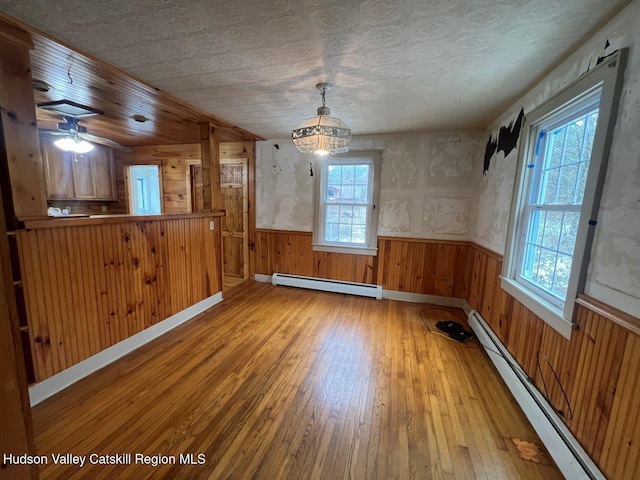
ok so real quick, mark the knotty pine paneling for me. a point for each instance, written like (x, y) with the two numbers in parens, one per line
(88, 207)
(80, 77)
(21, 166)
(407, 265)
(599, 368)
(292, 253)
(621, 449)
(90, 287)
(174, 161)
(233, 255)
(424, 266)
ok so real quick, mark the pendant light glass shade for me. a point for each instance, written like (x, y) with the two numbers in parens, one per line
(322, 134)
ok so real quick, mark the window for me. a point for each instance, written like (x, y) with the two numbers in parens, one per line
(556, 189)
(347, 188)
(561, 171)
(144, 189)
(142, 195)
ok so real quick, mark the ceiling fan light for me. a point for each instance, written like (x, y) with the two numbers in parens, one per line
(322, 134)
(69, 144)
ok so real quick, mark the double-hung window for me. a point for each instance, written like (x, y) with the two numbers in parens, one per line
(562, 162)
(554, 199)
(346, 211)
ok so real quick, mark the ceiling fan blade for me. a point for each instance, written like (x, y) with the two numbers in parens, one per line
(103, 141)
(56, 133)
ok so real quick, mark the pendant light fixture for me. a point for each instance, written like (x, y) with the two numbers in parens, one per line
(322, 134)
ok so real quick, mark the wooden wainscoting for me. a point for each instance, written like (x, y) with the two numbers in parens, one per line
(434, 267)
(403, 264)
(291, 252)
(599, 368)
(90, 287)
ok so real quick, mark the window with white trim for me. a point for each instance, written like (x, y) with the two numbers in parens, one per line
(562, 161)
(346, 213)
(554, 192)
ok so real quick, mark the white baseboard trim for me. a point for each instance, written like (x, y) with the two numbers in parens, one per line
(328, 285)
(404, 296)
(52, 385)
(424, 298)
(571, 458)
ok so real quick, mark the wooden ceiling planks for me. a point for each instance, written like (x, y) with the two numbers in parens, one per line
(84, 79)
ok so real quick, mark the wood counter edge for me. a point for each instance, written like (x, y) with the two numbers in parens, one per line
(56, 222)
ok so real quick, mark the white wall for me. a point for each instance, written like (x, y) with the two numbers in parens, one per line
(614, 271)
(433, 187)
(426, 184)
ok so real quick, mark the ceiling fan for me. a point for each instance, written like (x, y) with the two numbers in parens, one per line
(76, 139)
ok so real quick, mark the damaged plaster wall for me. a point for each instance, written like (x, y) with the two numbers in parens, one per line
(614, 270)
(284, 187)
(426, 184)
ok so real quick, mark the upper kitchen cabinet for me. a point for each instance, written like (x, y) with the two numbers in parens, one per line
(70, 176)
(58, 170)
(104, 173)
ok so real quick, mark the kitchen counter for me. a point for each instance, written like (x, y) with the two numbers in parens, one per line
(85, 220)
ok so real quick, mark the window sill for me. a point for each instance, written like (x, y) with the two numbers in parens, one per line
(549, 313)
(317, 247)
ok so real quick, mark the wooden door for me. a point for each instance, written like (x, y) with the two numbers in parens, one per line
(197, 204)
(235, 226)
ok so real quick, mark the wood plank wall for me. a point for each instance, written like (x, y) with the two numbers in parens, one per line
(174, 161)
(599, 368)
(424, 266)
(402, 264)
(89, 287)
(291, 252)
(21, 168)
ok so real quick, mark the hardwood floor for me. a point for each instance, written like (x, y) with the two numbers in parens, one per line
(278, 382)
(231, 282)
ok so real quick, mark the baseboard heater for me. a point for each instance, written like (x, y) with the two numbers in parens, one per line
(336, 286)
(571, 458)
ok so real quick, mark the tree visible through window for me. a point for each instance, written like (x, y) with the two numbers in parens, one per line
(347, 197)
(562, 159)
(346, 215)
(553, 210)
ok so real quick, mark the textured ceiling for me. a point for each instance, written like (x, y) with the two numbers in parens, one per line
(396, 65)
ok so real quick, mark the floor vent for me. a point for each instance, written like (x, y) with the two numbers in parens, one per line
(336, 286)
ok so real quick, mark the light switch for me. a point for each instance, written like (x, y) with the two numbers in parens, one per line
(212, 225)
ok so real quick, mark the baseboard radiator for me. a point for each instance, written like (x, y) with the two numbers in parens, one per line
(571, 458)
(336, 286)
